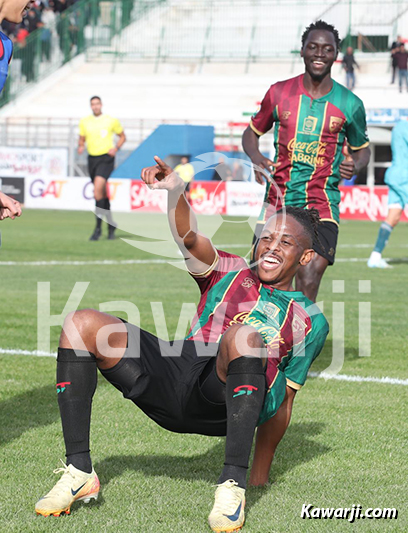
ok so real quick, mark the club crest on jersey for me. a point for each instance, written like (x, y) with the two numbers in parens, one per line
(248, 283)
(309, 124)
(335, 124)
(271, 310)
(286, 114)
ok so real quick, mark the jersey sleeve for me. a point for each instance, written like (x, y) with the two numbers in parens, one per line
(223, 263)
(356, 127)
(263, 119)
(82, 129)
(305, 353)
(117, 127)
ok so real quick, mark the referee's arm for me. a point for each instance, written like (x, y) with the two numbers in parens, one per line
(119, 144)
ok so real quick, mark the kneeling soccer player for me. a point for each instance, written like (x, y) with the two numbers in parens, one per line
(248, 352)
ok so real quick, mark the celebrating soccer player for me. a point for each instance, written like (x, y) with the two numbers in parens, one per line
(313, 115)
(248, 352)
(98, 130)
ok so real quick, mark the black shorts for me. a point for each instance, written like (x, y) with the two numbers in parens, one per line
(100, 165)
(168, 389)
(328, 233)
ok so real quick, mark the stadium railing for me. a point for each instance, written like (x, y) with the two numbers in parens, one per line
(196, 30)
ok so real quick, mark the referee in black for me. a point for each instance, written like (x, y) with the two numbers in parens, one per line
(98, 132)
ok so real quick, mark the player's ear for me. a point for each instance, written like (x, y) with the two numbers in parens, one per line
(301, 52)
(307, 256)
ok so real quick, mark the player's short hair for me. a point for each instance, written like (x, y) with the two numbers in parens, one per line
(95, 98)
(321, 25)
(308, 218)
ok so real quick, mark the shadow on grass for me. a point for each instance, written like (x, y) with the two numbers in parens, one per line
(299, 448)
(398, 261)
(31, 409)
(325, 358)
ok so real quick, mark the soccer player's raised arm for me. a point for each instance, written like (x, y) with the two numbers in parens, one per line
(196, 248)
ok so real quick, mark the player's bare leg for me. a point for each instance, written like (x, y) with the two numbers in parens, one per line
(309, 276)
(239, 364)
(89, 339)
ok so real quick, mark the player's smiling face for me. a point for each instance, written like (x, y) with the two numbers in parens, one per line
(14, 10)
(282, 248)
(319, 53)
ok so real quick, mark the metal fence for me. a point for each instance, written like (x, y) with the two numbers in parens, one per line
(87, 24)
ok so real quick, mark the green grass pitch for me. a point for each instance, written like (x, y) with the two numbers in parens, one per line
(346, 444)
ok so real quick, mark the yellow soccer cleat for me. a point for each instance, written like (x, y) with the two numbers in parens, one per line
(74, 485)
(228, 512)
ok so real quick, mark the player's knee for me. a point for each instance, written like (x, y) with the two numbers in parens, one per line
(78, 327)
(243, 340)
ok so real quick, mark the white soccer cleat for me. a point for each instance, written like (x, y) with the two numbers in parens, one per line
(378, 262)
(74, 485)
(228, 514)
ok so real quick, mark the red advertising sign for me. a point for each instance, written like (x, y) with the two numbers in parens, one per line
(207, 197)
(365, 203)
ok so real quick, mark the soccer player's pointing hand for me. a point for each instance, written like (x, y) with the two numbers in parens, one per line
(161, 176)
(9, 208)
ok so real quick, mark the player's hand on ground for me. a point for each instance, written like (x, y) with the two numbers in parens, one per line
(264, 169)
(161, 176)
(9, 208)
(347, 166)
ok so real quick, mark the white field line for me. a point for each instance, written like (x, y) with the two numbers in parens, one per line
(322, 375)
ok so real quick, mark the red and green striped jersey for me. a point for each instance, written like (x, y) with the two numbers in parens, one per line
(293, 328)
(309, 136)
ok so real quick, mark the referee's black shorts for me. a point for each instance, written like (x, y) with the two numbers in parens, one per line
(168, 389)
(100, 165)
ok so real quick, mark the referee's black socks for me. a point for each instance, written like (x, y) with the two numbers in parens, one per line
(245, 393)
(76, 384)
(101, 205)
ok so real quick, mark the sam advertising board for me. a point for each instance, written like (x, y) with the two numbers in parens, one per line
(73, 193)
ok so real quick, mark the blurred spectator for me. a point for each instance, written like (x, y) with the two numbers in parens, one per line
(402, 63)
(348, 65)
(394, 49)
(33, 20)
(222, 171)
(237, 172)
(61, 6)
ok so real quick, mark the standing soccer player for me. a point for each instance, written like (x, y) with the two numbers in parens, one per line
(97, 131)
(396, 177)
(247, 354)
(313, 115)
